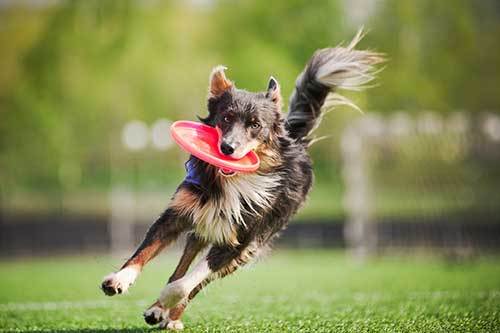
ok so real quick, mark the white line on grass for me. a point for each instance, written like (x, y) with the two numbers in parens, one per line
(358, 297)
(63, 305)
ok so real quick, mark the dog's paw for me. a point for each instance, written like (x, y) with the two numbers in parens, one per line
(119, 282)
(174, 325)
(155, 314)
(173, 294)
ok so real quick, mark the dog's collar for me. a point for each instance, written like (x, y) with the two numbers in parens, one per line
(226, 173)
(193, 176)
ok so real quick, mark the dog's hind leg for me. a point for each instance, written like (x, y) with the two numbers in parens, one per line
(163, 232)
(157, 313)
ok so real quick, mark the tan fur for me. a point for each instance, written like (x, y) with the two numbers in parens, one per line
(184, 202)
(176, 312)
(218, 81)
(276, 94)
(269, 158)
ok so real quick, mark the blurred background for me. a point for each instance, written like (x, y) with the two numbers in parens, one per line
(88, 90)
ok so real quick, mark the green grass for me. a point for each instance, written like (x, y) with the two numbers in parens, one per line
(291, 291)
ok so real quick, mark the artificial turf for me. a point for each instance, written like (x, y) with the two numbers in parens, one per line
(290, 291)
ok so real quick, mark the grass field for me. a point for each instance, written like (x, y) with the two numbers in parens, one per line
(291, 291)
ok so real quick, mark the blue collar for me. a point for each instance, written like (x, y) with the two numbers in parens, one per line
(192, 175)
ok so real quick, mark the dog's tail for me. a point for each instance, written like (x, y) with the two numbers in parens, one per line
(328, 70)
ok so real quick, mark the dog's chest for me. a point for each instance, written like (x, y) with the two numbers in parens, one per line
(218, 219)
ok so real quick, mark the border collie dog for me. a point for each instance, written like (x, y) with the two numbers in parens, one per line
(232, 218)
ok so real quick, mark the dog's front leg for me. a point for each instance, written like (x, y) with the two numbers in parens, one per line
(156, 313)
(163, 232)
(220, 261)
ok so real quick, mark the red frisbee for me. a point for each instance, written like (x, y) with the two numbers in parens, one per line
(202, 141)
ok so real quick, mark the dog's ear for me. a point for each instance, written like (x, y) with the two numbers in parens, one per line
(218, 82)
(274, 91)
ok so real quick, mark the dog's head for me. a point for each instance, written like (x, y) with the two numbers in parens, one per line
(245, 120)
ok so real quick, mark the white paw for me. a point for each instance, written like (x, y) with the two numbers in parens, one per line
(119, 282)
(173, 294)
(155, 315)
(174, 325)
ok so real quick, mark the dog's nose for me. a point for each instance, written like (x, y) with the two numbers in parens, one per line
(226, 149)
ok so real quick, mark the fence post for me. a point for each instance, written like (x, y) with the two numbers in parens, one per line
(121, 222)
(359, 231)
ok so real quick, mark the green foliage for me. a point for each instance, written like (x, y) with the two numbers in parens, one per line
(72, 74)
(443, 55)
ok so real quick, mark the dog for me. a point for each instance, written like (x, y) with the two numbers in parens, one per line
(233, 218)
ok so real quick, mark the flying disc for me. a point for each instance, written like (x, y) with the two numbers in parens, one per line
(202, 141)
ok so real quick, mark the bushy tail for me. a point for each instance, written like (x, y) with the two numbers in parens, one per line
(328, 70)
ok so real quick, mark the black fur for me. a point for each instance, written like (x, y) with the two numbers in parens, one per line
(306, 101)
(278, 188)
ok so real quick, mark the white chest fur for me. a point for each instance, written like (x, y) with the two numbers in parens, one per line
(217, 219)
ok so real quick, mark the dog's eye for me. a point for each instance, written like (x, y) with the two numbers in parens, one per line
(255, 125)
(227, 119)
